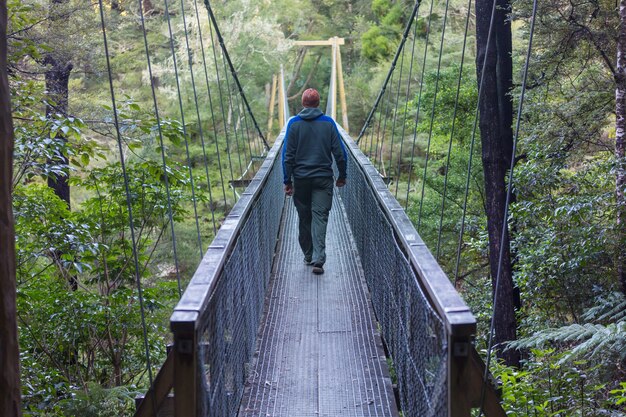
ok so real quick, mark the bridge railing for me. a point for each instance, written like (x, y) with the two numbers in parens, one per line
(216, 321)
(427, 327)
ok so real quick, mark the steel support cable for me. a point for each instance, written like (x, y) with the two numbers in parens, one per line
(395, 115)
(182, 119)
(509, 193)
(200, 131)
(234, 72)
(128, 205)
(472, 142)
(221, 96)
(456, 106)
(406, 106)
(432, 115)
(393, 66)
(381, 112)
(231, 113)
(210, 99)
(417, 117)
(381, 162)
(160, 130)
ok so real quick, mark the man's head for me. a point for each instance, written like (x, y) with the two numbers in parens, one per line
(310, 98)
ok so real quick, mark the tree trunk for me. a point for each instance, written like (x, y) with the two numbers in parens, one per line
(620, 146)
(9, 350)
(496, 115)
(57, 86)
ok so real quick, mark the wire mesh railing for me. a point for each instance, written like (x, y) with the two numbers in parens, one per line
(426, 326)
(216, 321)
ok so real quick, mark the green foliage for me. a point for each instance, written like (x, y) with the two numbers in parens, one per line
(546, 387)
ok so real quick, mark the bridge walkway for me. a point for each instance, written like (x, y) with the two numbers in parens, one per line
(319, 351)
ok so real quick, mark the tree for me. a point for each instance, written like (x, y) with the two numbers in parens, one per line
(620, 145)
(496, 116)
(59, 68)
(9, 353)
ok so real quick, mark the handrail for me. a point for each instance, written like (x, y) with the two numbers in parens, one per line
(445, 299)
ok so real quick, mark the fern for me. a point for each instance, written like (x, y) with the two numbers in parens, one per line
(604, 336)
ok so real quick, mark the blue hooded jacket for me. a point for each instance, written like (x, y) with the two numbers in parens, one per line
(311, 141)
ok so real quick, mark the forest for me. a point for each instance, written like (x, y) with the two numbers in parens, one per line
(175, 140)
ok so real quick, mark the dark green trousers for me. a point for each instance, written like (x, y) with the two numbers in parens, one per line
(313, 198)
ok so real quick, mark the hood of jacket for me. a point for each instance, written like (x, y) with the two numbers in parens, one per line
(310, 113)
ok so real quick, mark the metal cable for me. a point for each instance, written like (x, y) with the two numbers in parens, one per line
(128, 204)
(395, 115)
(472, 142)
(221, 96)
(506, 207)
(406, 106)
(210, 99)
(182, 119)
(200, 131)
(456, 106)
(234, 72)
(393, 66)
(417, 116)
(165, 174)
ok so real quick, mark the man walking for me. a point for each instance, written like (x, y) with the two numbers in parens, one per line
(311, 142)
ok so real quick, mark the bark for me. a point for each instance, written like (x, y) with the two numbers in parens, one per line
(496, 115)
(9, 350)
(58, 72)
(620, 146)
(57, 86)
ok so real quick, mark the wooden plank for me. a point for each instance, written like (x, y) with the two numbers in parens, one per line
(342, 92)
(270, 120)
(158, 393)
(329, 42)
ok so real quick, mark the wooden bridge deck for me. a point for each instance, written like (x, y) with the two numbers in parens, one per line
(319, 353)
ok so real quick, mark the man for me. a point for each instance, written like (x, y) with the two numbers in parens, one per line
(311, 142)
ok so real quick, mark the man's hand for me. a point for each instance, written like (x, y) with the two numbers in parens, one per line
(340, 182)
(289, 189)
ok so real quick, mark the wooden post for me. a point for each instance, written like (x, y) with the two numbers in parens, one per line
(281, 104)
(270, 120)
(332, 93)
(10, 398)
(186, 378)
(342, 92)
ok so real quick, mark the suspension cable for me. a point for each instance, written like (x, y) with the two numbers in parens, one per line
(472, 142)
(128, 204)
(454, 114)
(395, 115)
(200, 130)
(393, 66)
(160, 130)
(506, 205)
(233, 71)
(417, 116)
(419, 105)
(406, 106)
(182, 119)
(221, 96)
(210, 99)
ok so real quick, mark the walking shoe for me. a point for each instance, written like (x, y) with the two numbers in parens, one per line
(308, 261)
(318, 269)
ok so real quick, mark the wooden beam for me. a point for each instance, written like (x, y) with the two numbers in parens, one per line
(158, 392)
(342, 92)
(272, 104)
(329, 42)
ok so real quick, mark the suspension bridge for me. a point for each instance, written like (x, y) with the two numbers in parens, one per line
(382, 333)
